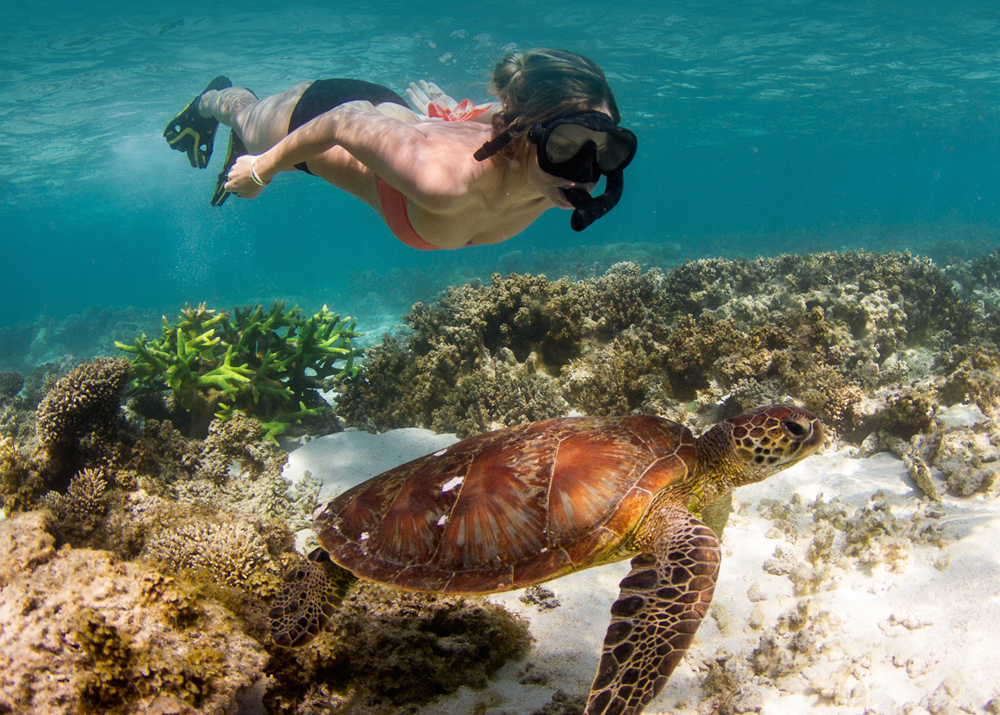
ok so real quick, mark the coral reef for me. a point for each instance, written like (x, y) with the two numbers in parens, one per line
(83, 505)
(176, 515)
(392, 649)
(87, 399)
(870, 342)
(85, 633)
(184, 541)
(10, 383)
(264, 364)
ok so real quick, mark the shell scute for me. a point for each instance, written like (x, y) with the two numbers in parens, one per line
(592, 473)
(661, 437)
(667, 470)
(630, 509)
(421, 578)
(500, 514)
(547, 565)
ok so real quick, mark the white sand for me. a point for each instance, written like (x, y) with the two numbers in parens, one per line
(922, 637)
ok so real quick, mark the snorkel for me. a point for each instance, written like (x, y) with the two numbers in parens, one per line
(581, 148)
(590, 208)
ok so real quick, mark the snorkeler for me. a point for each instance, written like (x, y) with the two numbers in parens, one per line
(436, 184)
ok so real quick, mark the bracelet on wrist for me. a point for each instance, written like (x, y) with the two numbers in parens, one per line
(253, 174)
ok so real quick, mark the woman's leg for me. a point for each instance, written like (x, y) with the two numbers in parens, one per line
(260, 123)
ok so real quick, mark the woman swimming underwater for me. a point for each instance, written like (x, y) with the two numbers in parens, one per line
(436, 184)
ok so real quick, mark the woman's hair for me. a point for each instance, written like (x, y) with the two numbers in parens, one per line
(539, 85)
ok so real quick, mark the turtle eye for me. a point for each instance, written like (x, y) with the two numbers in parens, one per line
(795, 429)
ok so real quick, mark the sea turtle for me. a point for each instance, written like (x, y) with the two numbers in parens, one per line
(527, 504)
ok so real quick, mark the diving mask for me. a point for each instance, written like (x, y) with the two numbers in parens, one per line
(579, 147)
(582, 147)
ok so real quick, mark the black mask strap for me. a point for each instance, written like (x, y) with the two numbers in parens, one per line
(590, 208)
(493, 146)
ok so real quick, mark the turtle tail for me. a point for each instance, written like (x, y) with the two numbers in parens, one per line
(311, 595)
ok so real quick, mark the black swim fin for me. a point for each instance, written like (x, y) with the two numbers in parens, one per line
(192, 133)
(236, 149)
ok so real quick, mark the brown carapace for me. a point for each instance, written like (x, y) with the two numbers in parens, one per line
(531, 503)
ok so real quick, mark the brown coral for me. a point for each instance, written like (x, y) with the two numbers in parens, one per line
(82, 507)
(395, 649)
(87, 399)
(10, 383)
(844, 333)
(85, 633)
(230, 551)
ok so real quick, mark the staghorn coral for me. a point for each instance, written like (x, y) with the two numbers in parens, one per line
(266, 365)
(626, 296)
(501, 392)
(87, 399)
(85, 633)
(620, 378)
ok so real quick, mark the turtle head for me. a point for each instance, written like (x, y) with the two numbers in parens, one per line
(753, 446)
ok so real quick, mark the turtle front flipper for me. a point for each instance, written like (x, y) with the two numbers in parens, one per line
(311, 595)
(663, 601)
(716, 514)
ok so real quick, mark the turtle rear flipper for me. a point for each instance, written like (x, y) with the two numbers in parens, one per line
(192, 133)
(663, 601)
(311, 595)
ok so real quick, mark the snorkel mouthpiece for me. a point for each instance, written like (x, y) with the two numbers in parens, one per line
(589, 208)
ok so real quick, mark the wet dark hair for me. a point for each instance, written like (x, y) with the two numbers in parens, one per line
(539, 85)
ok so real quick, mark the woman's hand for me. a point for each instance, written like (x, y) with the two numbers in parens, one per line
(241, 180)
(422, 94)
(431, 101)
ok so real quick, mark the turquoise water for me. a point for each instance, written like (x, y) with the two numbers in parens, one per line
(764, 127)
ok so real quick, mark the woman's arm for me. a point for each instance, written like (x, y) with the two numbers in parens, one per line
(424, 162)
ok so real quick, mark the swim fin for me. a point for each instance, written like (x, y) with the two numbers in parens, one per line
(192, 133)
(236, 149)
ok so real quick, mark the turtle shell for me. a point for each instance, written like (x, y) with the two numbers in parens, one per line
(507, 509)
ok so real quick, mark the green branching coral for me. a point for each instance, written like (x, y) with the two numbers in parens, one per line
(267, 364)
